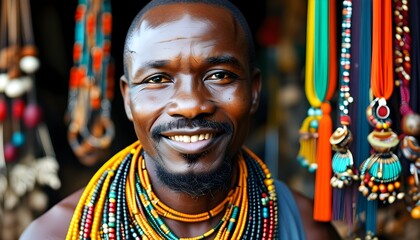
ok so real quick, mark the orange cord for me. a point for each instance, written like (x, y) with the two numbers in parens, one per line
(382, 82)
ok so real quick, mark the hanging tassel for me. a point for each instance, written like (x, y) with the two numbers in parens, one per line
(308, 140)
(323, 190)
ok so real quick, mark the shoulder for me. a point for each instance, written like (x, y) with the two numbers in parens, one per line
(54, 223)
(314, 230)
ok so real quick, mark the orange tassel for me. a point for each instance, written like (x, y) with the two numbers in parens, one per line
(323, 189)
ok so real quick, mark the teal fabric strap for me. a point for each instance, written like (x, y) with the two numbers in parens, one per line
(321, 49)
(290, 222)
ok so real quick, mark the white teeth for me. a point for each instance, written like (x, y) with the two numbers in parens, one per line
(191, 139)
(201, 137)
(194, 138)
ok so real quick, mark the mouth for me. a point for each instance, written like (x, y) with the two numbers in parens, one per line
(191, 143)
(191, 138)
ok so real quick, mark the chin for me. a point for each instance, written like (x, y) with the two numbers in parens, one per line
(197, 180)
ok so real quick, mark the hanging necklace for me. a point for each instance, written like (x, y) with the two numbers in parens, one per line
(90, 128)
(119, 203)
(342, 162)
(379, 174)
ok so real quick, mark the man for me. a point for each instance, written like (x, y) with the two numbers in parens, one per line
(190, 88)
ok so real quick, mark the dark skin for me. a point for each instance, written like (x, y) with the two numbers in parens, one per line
(201, 70)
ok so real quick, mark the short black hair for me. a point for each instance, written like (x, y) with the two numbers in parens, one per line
(236, 13)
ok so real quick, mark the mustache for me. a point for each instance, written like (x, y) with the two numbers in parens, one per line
(191, 123)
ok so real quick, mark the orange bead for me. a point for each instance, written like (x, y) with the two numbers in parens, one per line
(107, 23)
(77, 52)
(90, 24)
(411, 181)
(374, 188)
(80, 12)
(382, 188)
(390, 187)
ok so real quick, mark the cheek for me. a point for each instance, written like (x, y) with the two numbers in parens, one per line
(145, 108)
(237, 103)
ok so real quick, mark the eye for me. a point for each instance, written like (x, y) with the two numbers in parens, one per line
(157, 79)
(221, 76)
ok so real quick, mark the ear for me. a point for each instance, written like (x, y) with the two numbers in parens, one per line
(256, 90)
(125, 91)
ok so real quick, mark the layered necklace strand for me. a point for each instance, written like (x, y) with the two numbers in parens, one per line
(119, 203)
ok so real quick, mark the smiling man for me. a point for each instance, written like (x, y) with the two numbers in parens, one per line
(190, 88)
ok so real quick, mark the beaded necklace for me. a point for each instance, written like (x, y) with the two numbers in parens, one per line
(119, 203)
(342, 162)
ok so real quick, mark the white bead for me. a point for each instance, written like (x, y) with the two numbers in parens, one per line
(4, 80)
(400, 195)
(29, 64)
(27, 83)
(15, 88)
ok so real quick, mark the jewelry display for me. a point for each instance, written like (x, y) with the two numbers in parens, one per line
(27, 158)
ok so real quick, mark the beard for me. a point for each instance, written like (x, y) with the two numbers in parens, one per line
(197, 184)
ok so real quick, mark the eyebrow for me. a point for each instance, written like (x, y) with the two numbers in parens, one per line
(224, 60)
(156, 64)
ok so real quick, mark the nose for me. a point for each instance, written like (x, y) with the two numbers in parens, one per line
(191, 100)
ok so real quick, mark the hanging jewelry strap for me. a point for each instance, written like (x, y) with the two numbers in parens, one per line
(380, 172)
(91, 129)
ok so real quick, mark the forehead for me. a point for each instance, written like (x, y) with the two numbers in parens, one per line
(170, 30)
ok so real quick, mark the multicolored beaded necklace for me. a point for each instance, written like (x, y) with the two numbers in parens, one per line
(119, 203)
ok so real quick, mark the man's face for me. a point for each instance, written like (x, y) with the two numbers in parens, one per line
(190, 92)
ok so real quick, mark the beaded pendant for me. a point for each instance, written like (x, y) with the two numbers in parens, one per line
(380, 172)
